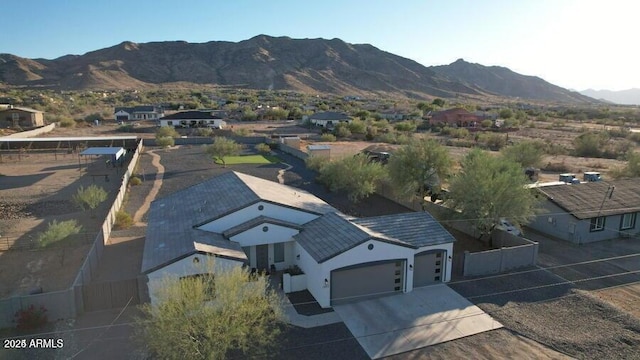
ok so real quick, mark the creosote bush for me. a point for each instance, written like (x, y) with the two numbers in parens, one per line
(57, 231)
(134, 181)
(123, 220)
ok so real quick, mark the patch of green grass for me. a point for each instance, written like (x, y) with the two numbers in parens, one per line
(249, 159)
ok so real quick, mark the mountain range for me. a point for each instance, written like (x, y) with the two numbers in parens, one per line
(625, 97)
(279, 63)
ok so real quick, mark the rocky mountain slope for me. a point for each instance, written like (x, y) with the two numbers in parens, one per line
(264, 62)
(504, 82)
(625, 97)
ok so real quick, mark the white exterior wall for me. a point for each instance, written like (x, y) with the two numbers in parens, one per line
(122, 113)
(449, 257)
(255, 235)
(250, 212)
(186, 267)
(313, 270)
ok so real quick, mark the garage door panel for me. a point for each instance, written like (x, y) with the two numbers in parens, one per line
(366, 281)
(428, 269)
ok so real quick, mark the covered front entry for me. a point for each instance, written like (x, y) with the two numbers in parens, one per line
(428, 268)
(367, 280)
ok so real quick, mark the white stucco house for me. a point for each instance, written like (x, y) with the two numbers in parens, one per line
(193, 119)
(328, 118)
(142, 112)
(243, 220)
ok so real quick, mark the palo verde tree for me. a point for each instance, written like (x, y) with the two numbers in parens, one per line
(418, 167)
(211, 316)
(525, 153)
(222, 147)
(489, 188)
(355, 175)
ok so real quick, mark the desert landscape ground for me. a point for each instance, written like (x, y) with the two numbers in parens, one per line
(545, 315)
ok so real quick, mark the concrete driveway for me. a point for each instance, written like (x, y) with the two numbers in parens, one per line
(426, 316)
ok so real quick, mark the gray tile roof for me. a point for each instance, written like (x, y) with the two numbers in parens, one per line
(191, 115)
(417, 229)
(333, 234)
(171, 221)
(585, 200)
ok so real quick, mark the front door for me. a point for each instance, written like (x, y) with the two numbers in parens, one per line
(262, 257)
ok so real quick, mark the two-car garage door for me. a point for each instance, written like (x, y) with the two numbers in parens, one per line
(367, 280)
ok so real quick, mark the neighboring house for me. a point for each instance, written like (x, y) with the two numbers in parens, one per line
(588, 212)
(14, 116)
(456, 117)
(244, 220)
(329, 118)
(145, 112)
(193, 119)
(393, 115)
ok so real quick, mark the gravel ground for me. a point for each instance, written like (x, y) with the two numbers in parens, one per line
(555, 314)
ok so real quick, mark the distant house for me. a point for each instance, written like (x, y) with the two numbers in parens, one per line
(329, 118)
(15, 116)
(193, 119)
(393, 115)
(456, 117)
(588, 212)
(145, 112)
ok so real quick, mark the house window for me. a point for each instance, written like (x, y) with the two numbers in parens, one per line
(597, 224)
(278, 252)
(628, 221)
(170, 123)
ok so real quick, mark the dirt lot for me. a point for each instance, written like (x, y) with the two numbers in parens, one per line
(34, 191)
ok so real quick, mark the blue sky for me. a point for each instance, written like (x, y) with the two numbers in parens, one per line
(576, 44)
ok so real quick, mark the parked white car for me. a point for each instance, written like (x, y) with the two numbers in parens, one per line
(505, 225)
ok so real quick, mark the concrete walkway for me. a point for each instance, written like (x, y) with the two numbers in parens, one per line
(157, 183)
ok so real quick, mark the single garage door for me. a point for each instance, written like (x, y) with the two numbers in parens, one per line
(428, 268)
(367, 280)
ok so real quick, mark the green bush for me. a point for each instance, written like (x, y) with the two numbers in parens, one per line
(328, 137)
(134, 181)
(90, 197)
(487, 123)
(316, 162)
(57, 231)
(242, 131)
(204, 132)
(67, 123)
(123, 220)
(342, 130)
(165, 141)
(167, 131)
(263, 148)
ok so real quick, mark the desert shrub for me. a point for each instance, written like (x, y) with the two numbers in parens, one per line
(620, 132)
(90, 197)
(357, 126)
(263, 148)
(590, 144)
(406, 126)
(635, 137)
(487, 123)
(342, 130)
(460, 143)
(494, 141)
(204, 132)
(30, 318)
(242, 131)
(617, 150)
(402, 139)
(67, 123)
(126, 128)
(389, 138)
(123, 220)
(134, 181)
(57, 231)
(372, 132)
(556, 167)
(459, 133)
(316, 162)
(165, 141)
(167, 131)
(328, 137)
